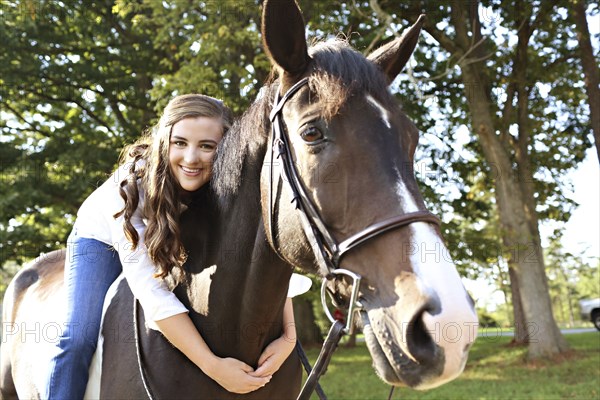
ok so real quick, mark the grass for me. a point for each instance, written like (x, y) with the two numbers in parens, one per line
(495, 370)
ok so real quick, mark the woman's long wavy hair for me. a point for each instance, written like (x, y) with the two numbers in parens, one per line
(148, 164)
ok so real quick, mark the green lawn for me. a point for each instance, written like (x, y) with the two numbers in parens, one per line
(494, 371)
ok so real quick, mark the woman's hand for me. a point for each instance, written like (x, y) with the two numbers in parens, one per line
(232, 374)
(235, 376)
(279, 350)
(274, 356)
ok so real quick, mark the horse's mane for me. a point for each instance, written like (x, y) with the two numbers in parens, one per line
(244, 144)
(339, 72)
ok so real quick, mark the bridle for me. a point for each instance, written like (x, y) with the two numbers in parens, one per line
(328, 253)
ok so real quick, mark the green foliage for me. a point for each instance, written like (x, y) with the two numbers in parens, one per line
(214, 48)
(74, 89)
(555, 136)
(486, 319)
(80, 80)
(6, 274)
(314, 296)
(503, 315)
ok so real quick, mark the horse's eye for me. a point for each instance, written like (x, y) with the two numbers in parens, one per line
(311, 135)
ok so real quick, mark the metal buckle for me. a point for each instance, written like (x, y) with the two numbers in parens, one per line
(354, 305)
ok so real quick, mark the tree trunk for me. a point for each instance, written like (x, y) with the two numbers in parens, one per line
(570, 290)
(505, 288)
(351, 343)
(525, 253)
(590, 69)
(521, 337)
(526, 192)
(526, 259)
(570, 305)
(307, 331)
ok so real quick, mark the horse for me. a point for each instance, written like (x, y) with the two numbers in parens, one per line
(316, 174)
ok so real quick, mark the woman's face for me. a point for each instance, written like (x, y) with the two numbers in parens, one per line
(192, 147)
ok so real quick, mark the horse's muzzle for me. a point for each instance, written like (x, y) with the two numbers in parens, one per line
(399, 367)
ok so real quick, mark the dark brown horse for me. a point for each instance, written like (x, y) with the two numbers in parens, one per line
(352, 148)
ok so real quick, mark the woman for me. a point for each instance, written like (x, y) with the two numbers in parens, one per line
(130, 224)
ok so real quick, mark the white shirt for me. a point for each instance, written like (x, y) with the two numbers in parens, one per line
(95, 221)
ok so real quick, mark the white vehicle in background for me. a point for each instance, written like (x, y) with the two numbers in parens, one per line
(590, 311)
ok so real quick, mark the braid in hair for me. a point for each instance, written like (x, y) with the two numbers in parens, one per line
(128, 188)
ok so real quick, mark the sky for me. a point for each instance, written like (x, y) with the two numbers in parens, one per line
(582, 232)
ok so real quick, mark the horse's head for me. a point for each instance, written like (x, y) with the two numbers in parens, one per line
(353, 150)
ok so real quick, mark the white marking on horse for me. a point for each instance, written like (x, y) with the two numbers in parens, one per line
(385, 115)
(432, 263)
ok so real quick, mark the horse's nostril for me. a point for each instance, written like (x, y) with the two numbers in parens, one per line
(419, 340)
(420, 337)
(433, 306)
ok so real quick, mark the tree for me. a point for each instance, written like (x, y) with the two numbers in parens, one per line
(509, 154)
(214, 48)
(74, 89)
(589, 64)
(573, 277)
(309, 333)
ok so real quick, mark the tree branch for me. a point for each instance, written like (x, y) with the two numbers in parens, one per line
(445, 41)
(457, 12)
(507, 115)
(387, 21)
(114, 105)
(80, 105)
(24, 120)
(546, 7)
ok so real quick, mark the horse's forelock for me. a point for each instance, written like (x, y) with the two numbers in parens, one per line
(341, 72)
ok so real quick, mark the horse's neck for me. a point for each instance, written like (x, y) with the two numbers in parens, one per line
(235, 280)
(262, 274)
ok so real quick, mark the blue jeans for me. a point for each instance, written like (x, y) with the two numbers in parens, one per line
(90, 268)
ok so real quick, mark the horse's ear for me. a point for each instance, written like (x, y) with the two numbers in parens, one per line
(393, 56)
(283, 32)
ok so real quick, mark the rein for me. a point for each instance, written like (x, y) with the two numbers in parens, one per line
(138, 350)
(327, 251)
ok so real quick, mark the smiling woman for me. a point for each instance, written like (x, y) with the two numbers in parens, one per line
(192, 148)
